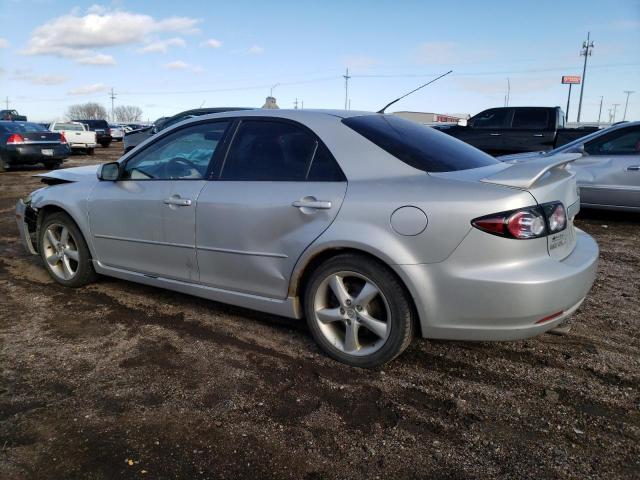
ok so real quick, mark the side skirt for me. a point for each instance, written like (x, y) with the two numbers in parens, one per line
(290, 307)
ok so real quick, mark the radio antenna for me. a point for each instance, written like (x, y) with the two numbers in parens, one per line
(412, 91)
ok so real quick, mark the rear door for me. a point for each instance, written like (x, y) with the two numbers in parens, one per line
(145, 222)
(276, 191)
(609, 172)
(532, 129)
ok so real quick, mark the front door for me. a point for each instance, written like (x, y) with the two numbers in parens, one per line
(145, 221)
(487, 129)
(278, 189)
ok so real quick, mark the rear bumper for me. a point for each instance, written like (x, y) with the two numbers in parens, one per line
(460, 301)
(30, 154)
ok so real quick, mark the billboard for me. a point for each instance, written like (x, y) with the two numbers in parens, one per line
(571, 79)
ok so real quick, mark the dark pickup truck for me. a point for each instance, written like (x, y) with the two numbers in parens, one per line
(505, 130)
(12, 115)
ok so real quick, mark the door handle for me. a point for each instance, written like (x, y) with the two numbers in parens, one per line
(311, 202)
(177, 201)
(495, 134)
(634, 168)
(538, 135)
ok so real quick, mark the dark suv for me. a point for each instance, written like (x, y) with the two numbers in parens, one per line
(101, 127)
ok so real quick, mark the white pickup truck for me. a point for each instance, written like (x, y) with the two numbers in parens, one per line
(78, 137)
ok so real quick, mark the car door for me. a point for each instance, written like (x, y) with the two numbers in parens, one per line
(145, 221)
(609, 172)
(486, 129)
(531, 130)
(276, 191)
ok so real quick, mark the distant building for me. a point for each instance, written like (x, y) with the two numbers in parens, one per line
(270, 102)
(429, 118)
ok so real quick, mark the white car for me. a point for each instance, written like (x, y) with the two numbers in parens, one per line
(117, 132)
(77, 135)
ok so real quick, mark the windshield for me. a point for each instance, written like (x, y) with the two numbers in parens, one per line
(417, 145)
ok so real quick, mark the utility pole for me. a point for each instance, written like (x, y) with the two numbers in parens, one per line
(6, 101)
(508, 95)
(600, 111)
(112, 96)
(295, 104)
(301, 104)
(626, 103)
(271, 91)
(586, 52)
(615, 108)
(346, 88)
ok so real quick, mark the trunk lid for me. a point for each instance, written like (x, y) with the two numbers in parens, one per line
(41, 137)
(547, 180)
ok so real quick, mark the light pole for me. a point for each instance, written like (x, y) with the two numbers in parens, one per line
(626, 104)
(586, 51)
(272, 87)
(600, 111)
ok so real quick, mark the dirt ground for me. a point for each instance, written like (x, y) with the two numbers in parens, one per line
(119, 380)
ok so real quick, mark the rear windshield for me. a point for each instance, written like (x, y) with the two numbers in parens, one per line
(21, 127)
(417, 145)
(95, 123)
(73, 127)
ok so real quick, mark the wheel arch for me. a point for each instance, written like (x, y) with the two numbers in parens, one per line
(53, 207)
(310, 261)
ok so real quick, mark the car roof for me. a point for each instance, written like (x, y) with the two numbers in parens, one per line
(292, 114)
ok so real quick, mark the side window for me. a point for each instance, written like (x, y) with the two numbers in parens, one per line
(181, 155)
(280, 152)
(621, 142)
(494, 118)
(533, 118)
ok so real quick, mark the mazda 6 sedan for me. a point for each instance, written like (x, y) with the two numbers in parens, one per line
(371, 227)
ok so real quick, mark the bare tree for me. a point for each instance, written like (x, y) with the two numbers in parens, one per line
(127, 113)
(87, 111)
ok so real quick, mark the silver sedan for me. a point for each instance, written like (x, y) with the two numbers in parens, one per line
(608, 170)
(372, 227)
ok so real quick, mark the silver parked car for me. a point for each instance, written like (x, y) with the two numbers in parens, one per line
(369, 225)
(608, 170)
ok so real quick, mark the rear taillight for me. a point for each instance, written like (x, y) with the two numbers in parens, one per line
(525, 223)
(63, 139)
(15, 139)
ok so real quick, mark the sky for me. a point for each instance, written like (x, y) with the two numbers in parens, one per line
(166, 57)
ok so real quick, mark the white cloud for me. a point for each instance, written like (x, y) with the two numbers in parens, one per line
(626, 25)
(88, 89)
(27, 75)
(359, 61)
(212, 43)
(76, 37)
(97, 59)
(4, 43)
(255, 50)
(519, 85)
(176, 65)
(161, 46)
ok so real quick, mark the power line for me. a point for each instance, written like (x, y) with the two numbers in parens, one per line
(586, 51)
(626, 103)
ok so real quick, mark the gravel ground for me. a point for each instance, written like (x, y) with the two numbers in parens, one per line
(118, 380)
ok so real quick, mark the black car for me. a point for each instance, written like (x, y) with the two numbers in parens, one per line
(30, 143)
(101, 127)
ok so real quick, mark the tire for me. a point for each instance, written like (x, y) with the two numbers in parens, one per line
(381, 323)
(105, 144)
(91, 151)
(83, 273)
(52, 165)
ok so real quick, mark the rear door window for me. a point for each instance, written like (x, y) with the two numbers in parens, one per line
(272, 151)
(621, 142)
(531, 118)
(417, 145)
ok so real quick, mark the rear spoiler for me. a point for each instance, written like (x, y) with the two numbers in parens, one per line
(524, 174)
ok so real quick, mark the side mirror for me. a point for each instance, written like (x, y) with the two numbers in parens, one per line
(462, 122)
(108, 172)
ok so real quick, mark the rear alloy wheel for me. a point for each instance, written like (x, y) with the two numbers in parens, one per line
(358, 311)
(64, 251)
(90, 151)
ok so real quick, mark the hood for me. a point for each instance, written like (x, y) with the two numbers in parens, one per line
(520, 156)
(75, 174)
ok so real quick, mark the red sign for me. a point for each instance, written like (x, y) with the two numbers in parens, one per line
(571, 79)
